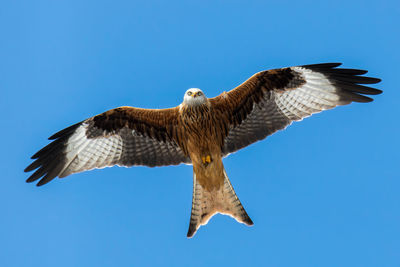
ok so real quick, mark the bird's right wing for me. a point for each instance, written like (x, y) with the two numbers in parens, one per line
(271, 100)
(123, 136)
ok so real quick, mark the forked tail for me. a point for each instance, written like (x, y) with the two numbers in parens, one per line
(206, 204)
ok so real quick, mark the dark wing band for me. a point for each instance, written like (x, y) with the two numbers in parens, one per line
(124, 136)
(271, 100)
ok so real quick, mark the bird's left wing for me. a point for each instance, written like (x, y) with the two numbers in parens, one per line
(123, 136)
(271, 100)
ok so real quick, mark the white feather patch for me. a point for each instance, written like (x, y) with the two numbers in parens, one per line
(84, 153)
(316, 95)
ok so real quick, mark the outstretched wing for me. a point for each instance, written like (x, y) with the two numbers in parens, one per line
(123, 136)
(271, 100)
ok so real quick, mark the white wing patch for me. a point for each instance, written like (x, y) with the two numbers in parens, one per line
(316, 95)
(84, 153)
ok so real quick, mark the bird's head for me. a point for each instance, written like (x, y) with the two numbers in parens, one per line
(194, 97)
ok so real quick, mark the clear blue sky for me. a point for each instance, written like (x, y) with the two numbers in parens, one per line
(324, 192)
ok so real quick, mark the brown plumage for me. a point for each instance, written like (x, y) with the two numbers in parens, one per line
(202, 131)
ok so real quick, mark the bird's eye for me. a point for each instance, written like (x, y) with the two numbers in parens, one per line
(199, 93)
(189, 93)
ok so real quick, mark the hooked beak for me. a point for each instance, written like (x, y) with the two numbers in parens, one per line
(194, 95)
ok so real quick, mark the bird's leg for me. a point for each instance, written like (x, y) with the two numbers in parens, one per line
(206, 160)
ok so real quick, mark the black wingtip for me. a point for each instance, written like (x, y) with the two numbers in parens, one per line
(322, 65)
(27, 169)
(36, 175)
(29, 180)
(40, 183)
(366, 100)
(65, 131)
(35, 178)
(43, 182)
(348, 81)
(378, 80)
(50, 160)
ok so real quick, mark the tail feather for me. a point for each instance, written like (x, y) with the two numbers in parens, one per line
(206, 204)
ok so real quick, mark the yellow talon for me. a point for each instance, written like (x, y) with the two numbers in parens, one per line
(206, 160)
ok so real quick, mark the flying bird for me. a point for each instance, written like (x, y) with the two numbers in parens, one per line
(202, 131)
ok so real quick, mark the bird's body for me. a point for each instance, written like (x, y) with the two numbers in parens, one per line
(201, 131)
(204, 151)
(204, 134)
(204, 140)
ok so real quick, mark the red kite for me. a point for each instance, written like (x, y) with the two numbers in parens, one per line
(201, 131)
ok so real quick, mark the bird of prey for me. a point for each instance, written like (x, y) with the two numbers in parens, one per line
(202, 131)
